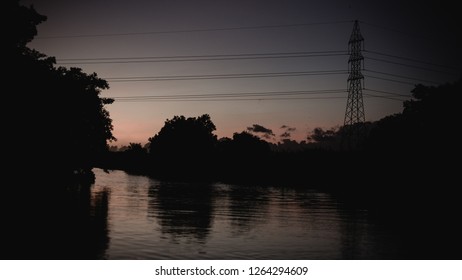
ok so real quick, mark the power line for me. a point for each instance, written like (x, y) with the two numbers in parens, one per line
(223, 76)
(407, 65)
(414, 60)
(388, 92)
(249, 99)
(232, 94)
(234, 99)
(400, 76)
(182, 58)
(390, 80)
(257, 27)
(384, 97)
(250, 96)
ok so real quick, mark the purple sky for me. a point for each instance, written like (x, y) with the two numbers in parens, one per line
(402, 41)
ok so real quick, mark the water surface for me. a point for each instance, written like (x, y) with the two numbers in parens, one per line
(150, 219)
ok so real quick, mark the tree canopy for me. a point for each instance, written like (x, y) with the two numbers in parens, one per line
(58, 122)
(184, 145)
(424, 124)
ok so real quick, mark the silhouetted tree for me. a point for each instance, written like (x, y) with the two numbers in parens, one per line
(57, 109)
(132, 158)
(288, 145)
(426, 123)
(327, 138)
(243, 157)
(89, 125)
(22, 22)
(135, 148)
(113, 148)
(321, 135)
(184, 146)
(434, 112)
(247, 145)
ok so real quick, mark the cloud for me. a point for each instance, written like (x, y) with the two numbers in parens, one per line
(287, 131)
(288, 128)
(256, 128)
(285, 135)
(263, 131)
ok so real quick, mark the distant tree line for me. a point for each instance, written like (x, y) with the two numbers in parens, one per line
(399, 145)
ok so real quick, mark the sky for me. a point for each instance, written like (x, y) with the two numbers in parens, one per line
(244, 62)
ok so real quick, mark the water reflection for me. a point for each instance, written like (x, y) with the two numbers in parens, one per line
(149, 219)
(124, 216)
(247, 206)
(58, 223)
(82, 231)
(182, 211)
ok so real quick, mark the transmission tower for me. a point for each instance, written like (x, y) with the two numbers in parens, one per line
(354, 113)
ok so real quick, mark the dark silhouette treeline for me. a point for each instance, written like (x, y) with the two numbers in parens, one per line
(57, 124)
(55, 127)
(414, 146)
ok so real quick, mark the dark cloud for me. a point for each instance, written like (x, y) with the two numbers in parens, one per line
(285, 135)
(256, 128)
(288, 128)
(287, 131)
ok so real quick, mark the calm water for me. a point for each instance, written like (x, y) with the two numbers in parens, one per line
(150, 219)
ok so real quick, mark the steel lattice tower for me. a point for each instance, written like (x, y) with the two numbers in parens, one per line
(354, 113)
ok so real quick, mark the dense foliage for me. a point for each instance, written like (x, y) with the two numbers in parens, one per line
(57, 121)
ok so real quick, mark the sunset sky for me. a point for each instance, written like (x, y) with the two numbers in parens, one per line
(279, 62)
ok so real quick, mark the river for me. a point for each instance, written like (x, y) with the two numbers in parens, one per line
(151, 219)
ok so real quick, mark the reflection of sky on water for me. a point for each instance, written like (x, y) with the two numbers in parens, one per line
(149, 219)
